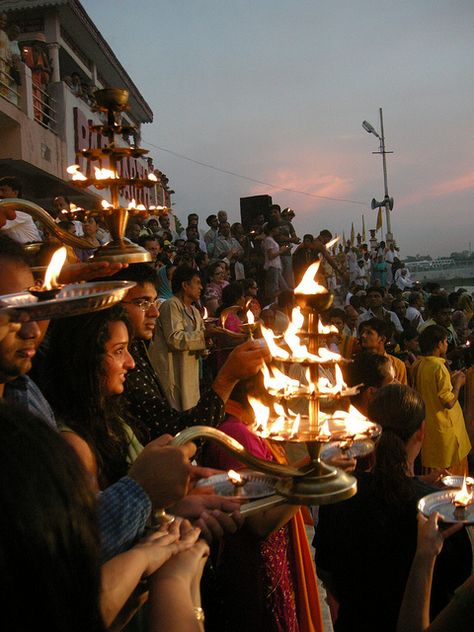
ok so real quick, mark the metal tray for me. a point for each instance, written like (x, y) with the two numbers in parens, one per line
(73, 299)
(442, 503)
(456, 481)
(353, 451)
(257, 485)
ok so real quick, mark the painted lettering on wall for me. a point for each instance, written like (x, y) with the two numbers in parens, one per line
(85, 138)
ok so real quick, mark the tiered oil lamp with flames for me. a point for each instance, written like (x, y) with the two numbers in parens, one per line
(303, 343)
(111, 102)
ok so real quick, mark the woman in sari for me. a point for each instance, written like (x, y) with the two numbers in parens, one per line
(264, 573)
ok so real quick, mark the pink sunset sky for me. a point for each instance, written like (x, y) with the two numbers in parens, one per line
(276, 92)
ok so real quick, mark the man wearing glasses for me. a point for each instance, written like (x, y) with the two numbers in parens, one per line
(144, 393)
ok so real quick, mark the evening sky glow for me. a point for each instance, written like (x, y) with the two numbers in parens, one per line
(277, 91)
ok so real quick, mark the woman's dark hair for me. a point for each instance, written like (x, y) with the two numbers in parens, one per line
(48, 530)
(409, 333)
(369, 370)
(140, 273)
(12, 182)
(400, 411)
(182, 274)
(200, 257)
(436, 303)
(247, 284)
(253, 386)
(431, 337)
(231, 294)
(75, 388)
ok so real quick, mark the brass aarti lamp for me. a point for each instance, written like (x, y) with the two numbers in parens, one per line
(112, 102)
(315, 482)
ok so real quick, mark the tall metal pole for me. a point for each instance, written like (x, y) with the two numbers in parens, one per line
(389, 236)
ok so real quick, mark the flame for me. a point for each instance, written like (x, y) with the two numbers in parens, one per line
(299, 351)
(132, 204)
(106, 205)
(332, 243)
(141, 207)
(277, 383)
(250, 318)
(349, 423)
(462, 498)
(234, 477)
(327, 329)
(54, 269)
(104, 174)
(327, 355)
(308, 284)
(262, 414)
(205, 314)
(296, 425)
(152, 177)
(75, 171)
(275, 350)
(326, 388)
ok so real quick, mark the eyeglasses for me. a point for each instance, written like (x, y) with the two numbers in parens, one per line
(143, 303)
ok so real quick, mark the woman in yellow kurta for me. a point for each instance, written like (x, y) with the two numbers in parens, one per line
(446, 442)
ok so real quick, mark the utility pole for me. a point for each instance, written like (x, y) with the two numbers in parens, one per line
(387, 200)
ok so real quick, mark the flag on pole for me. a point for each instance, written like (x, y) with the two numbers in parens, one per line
(352, 234)
(363, 228)
(379, 219)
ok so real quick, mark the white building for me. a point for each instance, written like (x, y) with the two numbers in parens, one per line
(46, 102)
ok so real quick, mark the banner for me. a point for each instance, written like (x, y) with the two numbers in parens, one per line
(379, 219)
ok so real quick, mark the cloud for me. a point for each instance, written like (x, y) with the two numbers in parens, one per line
(309, 184)
(440, 189)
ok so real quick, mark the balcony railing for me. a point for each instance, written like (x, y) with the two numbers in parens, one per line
(44, 108)
(9, 88)
(28, 96)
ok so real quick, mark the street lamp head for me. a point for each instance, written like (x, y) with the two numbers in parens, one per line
(370, 128)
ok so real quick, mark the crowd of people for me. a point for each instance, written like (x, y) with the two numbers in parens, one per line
(89, 404)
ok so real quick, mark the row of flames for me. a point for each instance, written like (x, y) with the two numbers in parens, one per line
(108, 174)
(282, 423)
(100, 174)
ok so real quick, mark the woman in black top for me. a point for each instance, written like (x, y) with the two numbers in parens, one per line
(365, 545)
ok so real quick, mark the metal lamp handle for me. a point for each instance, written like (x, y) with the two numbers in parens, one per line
(42, 216)
(236, 449)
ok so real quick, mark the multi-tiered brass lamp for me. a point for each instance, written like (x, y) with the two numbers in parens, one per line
(315, 482)
(111, 102)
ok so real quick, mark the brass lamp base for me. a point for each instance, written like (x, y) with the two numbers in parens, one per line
(314, 484)
(121, 251)
(323, 489)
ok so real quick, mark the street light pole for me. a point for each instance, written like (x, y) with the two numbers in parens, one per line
(387, 201)
(389, 236)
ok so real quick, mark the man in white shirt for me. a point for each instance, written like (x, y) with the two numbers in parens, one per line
(377, 310)
(22, 229)
(274, 281)
(402, 279)
(413, 313)
(210, 237)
